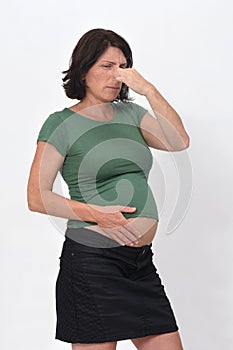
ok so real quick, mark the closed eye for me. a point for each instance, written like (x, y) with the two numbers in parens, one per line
(110, 64)
(106, 65)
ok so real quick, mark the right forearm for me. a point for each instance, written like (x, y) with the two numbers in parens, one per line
(51, 203)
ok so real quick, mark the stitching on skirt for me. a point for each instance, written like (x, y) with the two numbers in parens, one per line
(97, 306)
(73, 297)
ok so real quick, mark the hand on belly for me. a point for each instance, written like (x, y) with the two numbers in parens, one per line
(145, 225)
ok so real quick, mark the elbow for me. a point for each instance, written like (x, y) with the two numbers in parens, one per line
(182, 145)
(34, 202)
(30, 199)
(32, 207)
(186, 142)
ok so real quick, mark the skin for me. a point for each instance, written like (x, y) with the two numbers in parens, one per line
(166, 341)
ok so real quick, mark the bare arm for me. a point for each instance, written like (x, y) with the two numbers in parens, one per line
(45, 166)
(166, 131)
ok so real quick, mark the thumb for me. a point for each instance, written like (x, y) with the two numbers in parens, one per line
(128, 209)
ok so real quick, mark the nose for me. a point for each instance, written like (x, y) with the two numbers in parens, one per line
(115, 73)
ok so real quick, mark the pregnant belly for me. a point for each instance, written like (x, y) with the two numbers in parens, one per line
(145, 225)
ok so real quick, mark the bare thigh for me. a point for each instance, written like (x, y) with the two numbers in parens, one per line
(98, 346)
(166, 341)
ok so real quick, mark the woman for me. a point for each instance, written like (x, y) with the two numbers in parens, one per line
(108, 288)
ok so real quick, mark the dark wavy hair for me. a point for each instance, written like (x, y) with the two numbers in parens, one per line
(87, 51)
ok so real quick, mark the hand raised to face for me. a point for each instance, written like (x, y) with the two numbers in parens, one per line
(133, 80)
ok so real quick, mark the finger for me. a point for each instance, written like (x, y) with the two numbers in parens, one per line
(117, 236)
(128, 238)
(120, 237)
(123, 236)
(119, 78)
(121, 70)
(127, 209)
(127, 235)
(133, 230)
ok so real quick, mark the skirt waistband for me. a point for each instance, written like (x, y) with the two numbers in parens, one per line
(90, 238)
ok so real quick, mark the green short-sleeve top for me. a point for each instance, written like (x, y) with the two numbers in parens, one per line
(105, 162)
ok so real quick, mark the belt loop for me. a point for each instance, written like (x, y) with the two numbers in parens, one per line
(141, 251)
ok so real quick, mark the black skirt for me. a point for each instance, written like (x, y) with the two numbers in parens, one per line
(109, 294)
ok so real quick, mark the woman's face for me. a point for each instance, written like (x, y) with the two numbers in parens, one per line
(101, 85)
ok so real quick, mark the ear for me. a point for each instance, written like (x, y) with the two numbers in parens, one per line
(83, 76)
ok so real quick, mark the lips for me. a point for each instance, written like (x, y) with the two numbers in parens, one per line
(113, 87)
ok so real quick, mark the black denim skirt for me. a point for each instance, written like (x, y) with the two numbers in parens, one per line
(109, 294)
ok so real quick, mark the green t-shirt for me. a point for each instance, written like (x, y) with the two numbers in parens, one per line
(105, 162)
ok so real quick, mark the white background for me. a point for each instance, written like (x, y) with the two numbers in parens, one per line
(185, 49)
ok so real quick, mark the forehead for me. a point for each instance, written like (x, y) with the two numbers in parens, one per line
(113, 54)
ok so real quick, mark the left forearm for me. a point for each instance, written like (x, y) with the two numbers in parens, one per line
(168, 119)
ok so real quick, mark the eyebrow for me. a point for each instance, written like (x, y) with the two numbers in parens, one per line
(122, 64)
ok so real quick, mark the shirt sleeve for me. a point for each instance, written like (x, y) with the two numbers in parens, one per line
(138, 112)
(53, 131)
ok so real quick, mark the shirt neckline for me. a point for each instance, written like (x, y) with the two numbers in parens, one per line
(94, 120)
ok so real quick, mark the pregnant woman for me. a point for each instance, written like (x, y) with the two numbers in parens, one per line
(107, 288)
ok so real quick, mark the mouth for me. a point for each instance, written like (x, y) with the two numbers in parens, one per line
(113, 87)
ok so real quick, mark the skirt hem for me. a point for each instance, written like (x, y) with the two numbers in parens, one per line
(115, 337)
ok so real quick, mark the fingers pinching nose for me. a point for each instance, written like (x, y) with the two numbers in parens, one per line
(116, 74)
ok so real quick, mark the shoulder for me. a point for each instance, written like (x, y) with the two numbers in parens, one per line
(55, 119)
(57, 116)
(130, 106)
(54, 123)
(134, 110)
(53, 131)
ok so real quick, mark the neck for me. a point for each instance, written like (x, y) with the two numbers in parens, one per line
(101, 111)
